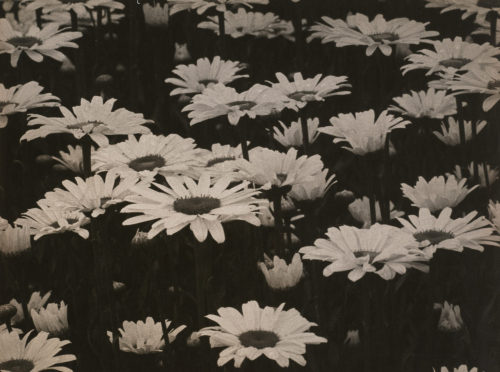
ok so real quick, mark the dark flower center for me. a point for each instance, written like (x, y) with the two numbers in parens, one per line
(208, 81)
(259, 339)
(489, 3)
(494, 84)
(433, 236)
(94, 123)
(302, 95)
(242, 105)
(148, 162)
(281, 177)
(17, 365)
(24, 41)
(388, 36)
(196, 205)
(222, 159)
(455, 62)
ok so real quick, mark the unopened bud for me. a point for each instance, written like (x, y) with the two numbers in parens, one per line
(7, 311)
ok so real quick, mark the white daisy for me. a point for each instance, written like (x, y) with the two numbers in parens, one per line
(35, 42)
(14, 240)
(201, 6)
(291, 136)
(269, 168)
(39, 354)
(52, 319)
(45, 220)
(450, 319)
(156, 15)
(360, 211)
(23, 97)
(314, 189)
(443, 232)
(450, 134)
(494, 213)
(363, 133)
(279, 275)
(219, 100)
(278, 334)
(432, 104)
(300, 91)
(380, 249)
(484, 27)
(485, 180)
(91, 195)
(469, 7)
(203, 207)
(438, 193)
(218, 161)
(147, 156)
(462, 368)
(450, 56)
(243, 23)
(195, 78)
(36, 302)
(73, 159)
(145, 337)
(76, 5)
(95, 119)
(376, 34)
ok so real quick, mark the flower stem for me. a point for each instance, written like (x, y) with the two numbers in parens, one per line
(86, 154)
(200, 278)
(475, 175)
(493, 27)
(242, 130)
(278, 222)
(305, 135)
(222, 34)
(299, 34)
(461, 128)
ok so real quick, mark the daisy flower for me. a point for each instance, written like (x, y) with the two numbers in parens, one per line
(470, 7)
(39, 354)
(450, 319)
(360, 211)
(485, 180)
(219, 100)
(219, 160)
(157, 15)
(147, 156)
(278, 334)
(380, 249)
(279, 275)
(201, 6)
(484, 27)
(203, 207)
(375, 34)
(443, 232)
(362, 131)
(91, 195)
(242, 23)
(78, 6)
(23, 97)
(36, 302)
(14, 240)
(291, 136)
(300, 91)
(52, 319)
(46, 220)
(145, 337)
(494, 213)
(195, 78)
(314, 189)
(462, 368)
(95, 119)
(72, 160)
(432, 104)
(35, 42)
(438, 193)
(450, 134)
(450, 56)
(477, 81)
(269, 168)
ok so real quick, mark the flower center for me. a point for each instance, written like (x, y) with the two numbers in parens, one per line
(148, 162)
(24, 41)
(221, 159)
(94, 123)
(17, 365)
(303, 95)
(455, 62)
(259, 339)
(433, 236)
(494, 84)
(208, 81)
(489, 3)
(242, 105)
(387, 36)
(196, 205)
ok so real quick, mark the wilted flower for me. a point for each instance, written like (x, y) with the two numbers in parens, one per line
(360, 211)
(450, 319)
(52, 319)
(279, 275)
(145, 337)
(438, 193)
(352, 338)
(291, 136)
(36, 302)
(157, 15)
(450, 135)
(430, 104)
(181, 53)
(278, 334)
